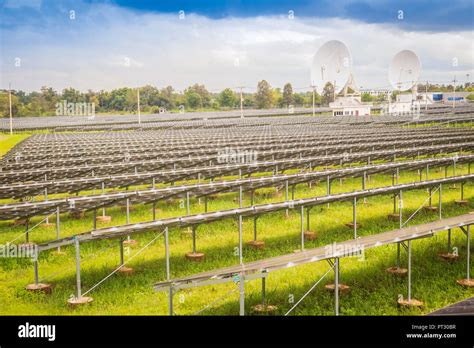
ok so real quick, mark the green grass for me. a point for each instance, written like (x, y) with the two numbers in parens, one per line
(374, 292)
(8, 141)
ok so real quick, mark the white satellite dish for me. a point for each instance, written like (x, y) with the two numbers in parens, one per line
(331, 63)
(404, 70)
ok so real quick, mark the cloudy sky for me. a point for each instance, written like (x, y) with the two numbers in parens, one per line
(110, 44)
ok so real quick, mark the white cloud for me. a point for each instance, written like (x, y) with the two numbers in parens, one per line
(92, 51)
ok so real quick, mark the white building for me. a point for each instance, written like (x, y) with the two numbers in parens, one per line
(350, 105)
(408, 104)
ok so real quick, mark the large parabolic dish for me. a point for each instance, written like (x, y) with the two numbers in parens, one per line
(404, 70)
(331, 63)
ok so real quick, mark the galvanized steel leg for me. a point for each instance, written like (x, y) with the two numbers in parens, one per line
(58, 228)
(468, 255)
(400, 207)
(409, 270)
(121, 252)
(27, 232)
(307, 219)
(103, 191)
(167, 254)
(240, 239)
(241, 194)
(35, 264)
(302, 227)
(449, 240)
(128, 210)
(242, 295)
(336, 286)
(398, 255)
(188, 208)
(440, 199)
(170, 298)
(354, 216)
(78, 269)
(194, 238)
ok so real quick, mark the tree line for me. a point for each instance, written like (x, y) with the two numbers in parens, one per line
(194, 98)
(124, 100)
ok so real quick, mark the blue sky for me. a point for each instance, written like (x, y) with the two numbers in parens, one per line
(419, 14)
(110, 44)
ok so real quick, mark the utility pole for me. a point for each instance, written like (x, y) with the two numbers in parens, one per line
(314, 93)
(241, 103)
(10, 99)
(138, 106)
(454, 93)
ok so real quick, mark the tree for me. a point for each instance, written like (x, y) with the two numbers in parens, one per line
(227, 98)
(288, 98)
(263, 98)
(328, 93)
(72, 95)
(193, 100)
(203, 93)
(366, 97)
(5, 104)
(277, 97)
(298, 99)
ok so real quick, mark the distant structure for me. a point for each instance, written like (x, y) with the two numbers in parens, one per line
(350, 105)
(332, 63)
(449, 97)
(407, 104)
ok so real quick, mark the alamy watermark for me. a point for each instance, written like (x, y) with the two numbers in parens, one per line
(345, 250)
(18, 251)
(65, 108)
(229, 155)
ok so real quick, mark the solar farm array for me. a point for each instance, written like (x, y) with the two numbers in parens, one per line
(55, 173)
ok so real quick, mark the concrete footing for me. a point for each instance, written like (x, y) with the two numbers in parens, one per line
(351, 225)
(79, 301)
(77, 214)
(468, 283)
(461, 202)
(196, 257)
(309, 235)
(104, 218)
(264, 309)
(58, 253)
(125, 270)
(399, 271)
(130, 242)
(410, 303)
(256, 244)
(393, 217)
(47, 224)
(343, 288)
(19, 222)
(448, 256)
(430, 208)
(40, 287)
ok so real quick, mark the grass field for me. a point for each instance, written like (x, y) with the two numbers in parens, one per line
(374, 292)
